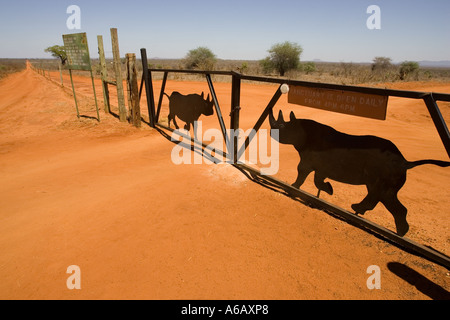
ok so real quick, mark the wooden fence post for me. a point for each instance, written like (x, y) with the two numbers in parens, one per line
(101, 53)
(119, 79)
(60, 73)
(133, 91)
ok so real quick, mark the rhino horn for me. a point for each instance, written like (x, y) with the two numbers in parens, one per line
(280, 117)
(292, 116)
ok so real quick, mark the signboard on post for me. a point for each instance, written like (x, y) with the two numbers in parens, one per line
(347, 102)
(76, 47)
(77, 51)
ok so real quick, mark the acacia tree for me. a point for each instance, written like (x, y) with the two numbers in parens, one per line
(381, 63)
(58, 52)
(282, 57)
(200, 58)
(407, 68)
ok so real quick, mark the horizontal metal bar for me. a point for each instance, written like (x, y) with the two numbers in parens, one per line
(441, 96)
(419, 249)
(360, 89)
(225, 73)
(331, 86)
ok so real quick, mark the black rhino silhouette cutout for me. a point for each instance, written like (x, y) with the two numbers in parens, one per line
(188, 108)
(356, 160)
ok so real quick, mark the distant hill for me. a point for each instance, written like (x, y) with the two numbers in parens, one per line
(435, 64)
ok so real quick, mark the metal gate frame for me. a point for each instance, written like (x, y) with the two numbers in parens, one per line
(430, 99)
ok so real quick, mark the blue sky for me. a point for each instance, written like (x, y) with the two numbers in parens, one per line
(327, 30)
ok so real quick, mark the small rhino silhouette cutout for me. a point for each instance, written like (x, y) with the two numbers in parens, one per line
(188, 108)
(356, 160)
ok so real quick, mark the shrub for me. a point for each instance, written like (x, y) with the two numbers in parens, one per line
(266, 65)
(200, 58)
(407, 68)
(282, 57)
(381, 64)
(244, 67)
(309, 67)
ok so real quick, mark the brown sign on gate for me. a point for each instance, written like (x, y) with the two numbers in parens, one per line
(347, 102)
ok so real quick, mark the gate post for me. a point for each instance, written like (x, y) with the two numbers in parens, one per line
(234, 114)
(133, 92)
(146, 75)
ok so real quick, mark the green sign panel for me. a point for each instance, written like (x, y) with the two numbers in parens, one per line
(77, 51)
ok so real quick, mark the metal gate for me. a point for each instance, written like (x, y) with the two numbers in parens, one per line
(235, 152)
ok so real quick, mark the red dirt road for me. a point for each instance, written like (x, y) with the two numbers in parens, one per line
(107, 198)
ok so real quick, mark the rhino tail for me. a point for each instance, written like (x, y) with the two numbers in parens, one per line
(439, 163)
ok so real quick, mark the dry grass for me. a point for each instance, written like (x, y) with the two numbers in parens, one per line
(8, 66)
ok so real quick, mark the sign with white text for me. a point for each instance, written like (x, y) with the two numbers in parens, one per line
(352, 103)
(77, 51)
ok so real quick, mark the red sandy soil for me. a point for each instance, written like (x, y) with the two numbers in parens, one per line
(105, 196)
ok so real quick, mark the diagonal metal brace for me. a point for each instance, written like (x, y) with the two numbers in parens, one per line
(260, 121)
(438, 120)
